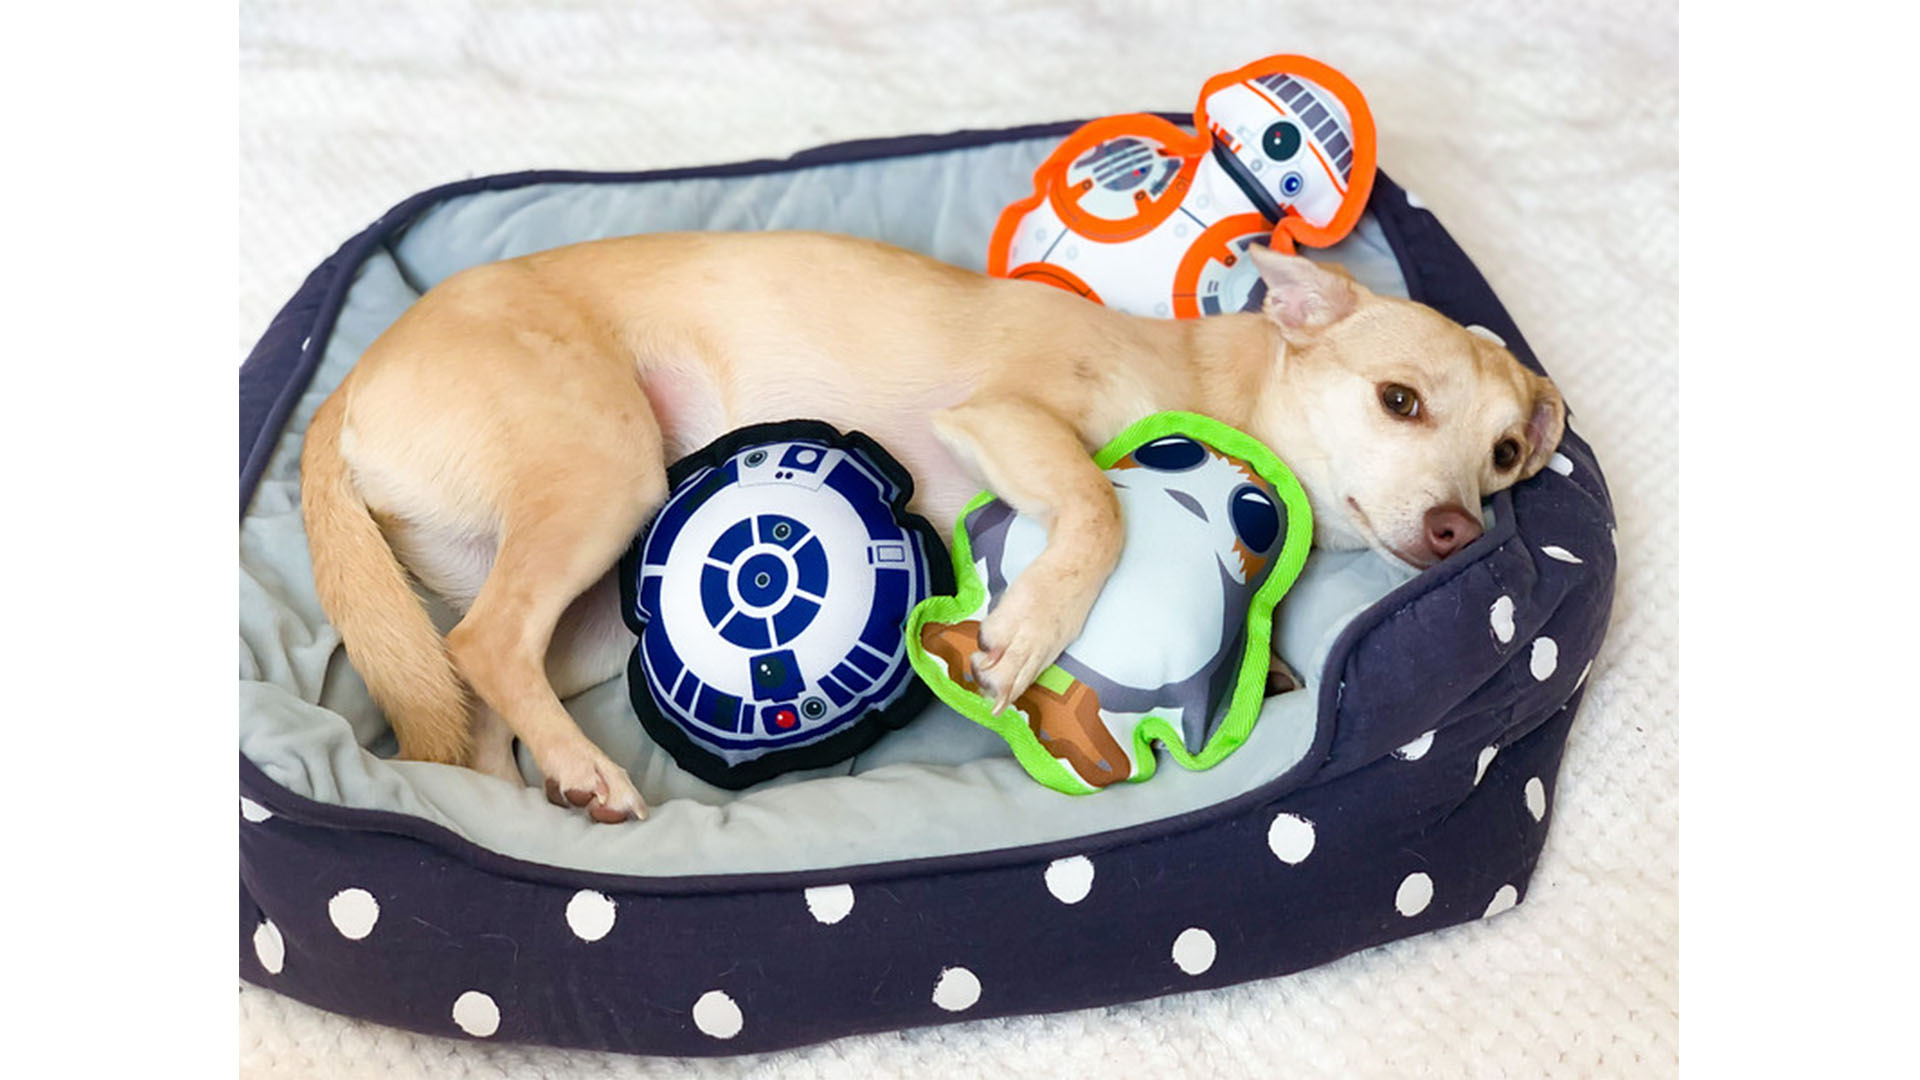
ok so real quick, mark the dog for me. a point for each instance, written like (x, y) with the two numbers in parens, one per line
(505, 439)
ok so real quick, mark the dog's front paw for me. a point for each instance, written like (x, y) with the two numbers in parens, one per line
(1281, 678)
(586, 778)
(1022, 637)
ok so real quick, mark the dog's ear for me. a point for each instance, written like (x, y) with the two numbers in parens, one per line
(1302, 296)
(1545, 424)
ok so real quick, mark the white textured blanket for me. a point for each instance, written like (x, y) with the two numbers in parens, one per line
(1542, 134)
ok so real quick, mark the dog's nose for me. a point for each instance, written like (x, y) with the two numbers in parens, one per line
(1450, 528)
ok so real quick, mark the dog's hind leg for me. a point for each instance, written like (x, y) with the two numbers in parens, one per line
(493, 746)
(562, 527)
(590, 645)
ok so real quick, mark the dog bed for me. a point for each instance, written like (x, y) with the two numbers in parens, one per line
(928, 879)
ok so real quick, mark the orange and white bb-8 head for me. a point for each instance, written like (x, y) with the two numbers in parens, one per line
(1290, 144)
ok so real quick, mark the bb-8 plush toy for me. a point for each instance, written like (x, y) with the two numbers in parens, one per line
(1134, 213)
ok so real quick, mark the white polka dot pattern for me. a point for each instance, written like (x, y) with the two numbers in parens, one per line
(1480, 764)
(270, 947)
(1290, 838)
(1500, 617)
(353, 911)
(1415, 893)
(1416, 749)
(1070, 879)
(590, 915)
(830, 903)
(1546, 657)
(1194, 951)
(717, 1014)
(956, 990)
(1536, 796)
(476, 1014)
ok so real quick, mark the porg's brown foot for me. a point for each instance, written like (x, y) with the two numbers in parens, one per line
(1068, 725)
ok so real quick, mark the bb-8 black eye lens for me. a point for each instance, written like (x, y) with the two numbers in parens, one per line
(1281, 141)
(813, 708)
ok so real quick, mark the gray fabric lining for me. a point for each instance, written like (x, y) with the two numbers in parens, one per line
(941, 786)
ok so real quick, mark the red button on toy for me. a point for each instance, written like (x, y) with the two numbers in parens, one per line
(785, 719)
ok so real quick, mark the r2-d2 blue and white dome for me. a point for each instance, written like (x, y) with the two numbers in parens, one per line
(771, 597)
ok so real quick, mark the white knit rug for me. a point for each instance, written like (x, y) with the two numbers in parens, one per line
(1542, 134)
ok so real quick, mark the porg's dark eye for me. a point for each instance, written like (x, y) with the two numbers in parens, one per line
(1175, 453)
(1281, 141)
(1400, 400)
(1256, 521)
(1506, 454)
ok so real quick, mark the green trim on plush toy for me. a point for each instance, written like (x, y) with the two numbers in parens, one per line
(1249, 687)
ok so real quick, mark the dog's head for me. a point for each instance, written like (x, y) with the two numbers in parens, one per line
(1397, 420)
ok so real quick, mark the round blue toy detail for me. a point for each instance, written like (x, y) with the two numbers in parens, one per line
(770, 596)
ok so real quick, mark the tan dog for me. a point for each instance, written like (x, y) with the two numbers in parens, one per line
(505, 439)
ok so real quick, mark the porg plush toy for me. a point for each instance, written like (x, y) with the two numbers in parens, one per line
(1165, 647)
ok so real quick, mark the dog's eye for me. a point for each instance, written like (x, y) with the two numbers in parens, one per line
(1281, 141)
(1506, 454)
(1400, 400)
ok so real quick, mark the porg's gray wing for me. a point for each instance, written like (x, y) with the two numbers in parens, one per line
(1226, 667)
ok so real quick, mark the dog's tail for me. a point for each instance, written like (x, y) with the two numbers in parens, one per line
(366, 592)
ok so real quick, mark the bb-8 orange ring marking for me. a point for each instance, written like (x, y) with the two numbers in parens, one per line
(1065, 197)
(1057, 276)
(1214, 245)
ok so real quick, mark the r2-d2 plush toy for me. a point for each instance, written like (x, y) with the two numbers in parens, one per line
(770, 596)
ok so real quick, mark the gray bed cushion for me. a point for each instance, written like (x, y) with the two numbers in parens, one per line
(940, 786)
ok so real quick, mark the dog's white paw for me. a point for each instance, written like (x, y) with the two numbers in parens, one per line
(1020, 638)
(584, 777)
